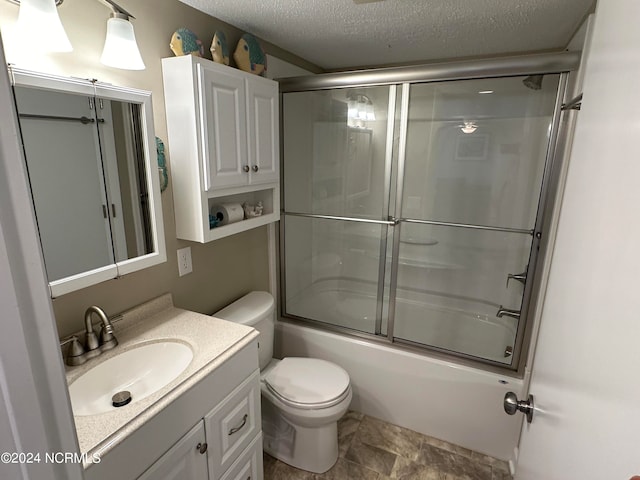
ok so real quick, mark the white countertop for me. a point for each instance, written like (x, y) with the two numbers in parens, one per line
(213, 342)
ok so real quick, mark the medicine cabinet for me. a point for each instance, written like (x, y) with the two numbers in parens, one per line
(90, 155)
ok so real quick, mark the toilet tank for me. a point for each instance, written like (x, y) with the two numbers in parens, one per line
(257, 310)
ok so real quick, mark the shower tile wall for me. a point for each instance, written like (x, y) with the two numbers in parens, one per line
(371, 449)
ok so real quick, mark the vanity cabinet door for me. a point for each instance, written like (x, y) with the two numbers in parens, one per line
(262, 130)
(186, 460)
(233, 425)
(224, 117)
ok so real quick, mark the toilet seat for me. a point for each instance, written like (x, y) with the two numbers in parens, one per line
(308, 383)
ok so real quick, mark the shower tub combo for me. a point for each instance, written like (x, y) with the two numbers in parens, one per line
(414, 202)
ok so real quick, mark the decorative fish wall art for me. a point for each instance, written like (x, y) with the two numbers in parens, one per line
(185, 42)
(249, 55)
(219, 48)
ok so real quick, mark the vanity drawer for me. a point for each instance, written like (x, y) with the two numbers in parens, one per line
(249, 465)
(232, 425)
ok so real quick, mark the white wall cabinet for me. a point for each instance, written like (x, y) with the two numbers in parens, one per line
(223, 127)
(228, 442)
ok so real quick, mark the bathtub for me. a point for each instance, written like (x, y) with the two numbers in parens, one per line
(450, 401)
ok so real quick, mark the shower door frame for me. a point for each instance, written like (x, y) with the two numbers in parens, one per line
(402, 78)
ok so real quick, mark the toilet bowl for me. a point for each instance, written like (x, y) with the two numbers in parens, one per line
(302, 398)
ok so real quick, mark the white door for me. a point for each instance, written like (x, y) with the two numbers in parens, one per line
(224, 112)
(262, 130)
(585, 377)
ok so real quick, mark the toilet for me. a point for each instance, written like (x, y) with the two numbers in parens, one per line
(302, 398)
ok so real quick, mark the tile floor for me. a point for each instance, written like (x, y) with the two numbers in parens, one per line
(371, 449)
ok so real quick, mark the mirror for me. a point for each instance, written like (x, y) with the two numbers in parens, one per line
(90, 156)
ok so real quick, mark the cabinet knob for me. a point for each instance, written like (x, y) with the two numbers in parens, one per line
(255, 168)
(202, 447)
(245, 169)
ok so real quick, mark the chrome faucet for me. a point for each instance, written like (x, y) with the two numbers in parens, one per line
(107, 339)
(77, 354)
(507, 312)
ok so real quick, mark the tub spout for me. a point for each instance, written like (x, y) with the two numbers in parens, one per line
(507, 312)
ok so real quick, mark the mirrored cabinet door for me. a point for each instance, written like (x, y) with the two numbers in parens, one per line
(62, 152)
(90, 156)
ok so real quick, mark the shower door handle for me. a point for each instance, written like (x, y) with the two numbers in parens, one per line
(512, 405)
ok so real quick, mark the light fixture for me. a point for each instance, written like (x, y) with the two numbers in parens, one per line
(38, 21)
(120, 46)
(485, 92)
(469, 127)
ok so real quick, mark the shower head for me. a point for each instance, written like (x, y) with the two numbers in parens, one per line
(534, 82)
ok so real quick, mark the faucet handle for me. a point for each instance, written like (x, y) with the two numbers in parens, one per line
(520, 277)
(75, 352)
(107, 338)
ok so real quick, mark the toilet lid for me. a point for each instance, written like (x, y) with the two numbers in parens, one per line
(308, 382)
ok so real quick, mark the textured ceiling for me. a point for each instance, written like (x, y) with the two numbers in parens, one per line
(336, 34)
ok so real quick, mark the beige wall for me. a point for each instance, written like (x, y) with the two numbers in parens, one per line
(223, 270)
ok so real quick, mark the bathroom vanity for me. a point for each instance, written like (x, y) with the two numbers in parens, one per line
(205, 423)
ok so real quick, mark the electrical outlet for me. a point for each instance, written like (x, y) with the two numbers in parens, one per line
(184, 261)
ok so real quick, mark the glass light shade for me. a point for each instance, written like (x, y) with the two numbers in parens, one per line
(362, 109)
(120, 46)
(39, 22)
(352, 109)
(370, 113)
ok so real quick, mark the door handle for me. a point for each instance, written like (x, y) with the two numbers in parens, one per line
(512, 405)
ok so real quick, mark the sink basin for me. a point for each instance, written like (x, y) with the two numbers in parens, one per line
(142, 370)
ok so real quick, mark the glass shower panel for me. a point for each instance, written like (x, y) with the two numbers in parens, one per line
(451, 282)
(476, 150)
(331, 270)
(334, 150)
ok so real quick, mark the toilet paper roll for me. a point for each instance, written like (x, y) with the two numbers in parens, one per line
(227, 213)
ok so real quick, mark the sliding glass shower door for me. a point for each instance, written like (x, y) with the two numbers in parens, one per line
(472, 172)
(337, 164)
(410, 210)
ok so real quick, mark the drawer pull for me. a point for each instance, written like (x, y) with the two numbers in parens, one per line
(202, 447)
(239, 427)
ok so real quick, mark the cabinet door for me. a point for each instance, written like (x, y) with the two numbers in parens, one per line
(223, 123)
(183, 461)
(262, 131)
